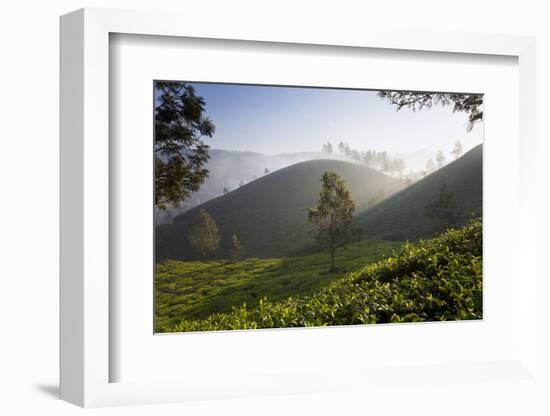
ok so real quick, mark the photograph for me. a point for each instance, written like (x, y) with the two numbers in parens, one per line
(302, 206)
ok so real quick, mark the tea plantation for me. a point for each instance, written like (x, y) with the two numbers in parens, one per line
(197, 289)
(434, 280)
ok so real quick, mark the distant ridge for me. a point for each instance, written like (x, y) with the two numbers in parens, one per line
(402, 216)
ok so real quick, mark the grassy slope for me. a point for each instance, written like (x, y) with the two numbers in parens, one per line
(269, 215)
(435, 280)
(401, 216)
(197, 289)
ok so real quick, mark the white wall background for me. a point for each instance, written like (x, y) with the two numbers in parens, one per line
(29, 184)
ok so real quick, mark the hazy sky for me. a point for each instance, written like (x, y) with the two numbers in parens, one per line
(274, 120)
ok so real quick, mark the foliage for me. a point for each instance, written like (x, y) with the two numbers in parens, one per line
(334, 213)
(434, 280)
(180, 152)
(327, 148)
(471, 104)
(440, 158)
(457, 150)
(430, 165)
(371, 158)
(197, 289)
(204, 236)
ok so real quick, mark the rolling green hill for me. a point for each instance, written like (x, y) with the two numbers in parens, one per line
(269, 215)
(402, 216)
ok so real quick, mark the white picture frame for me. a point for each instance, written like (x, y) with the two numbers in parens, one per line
(85, 352)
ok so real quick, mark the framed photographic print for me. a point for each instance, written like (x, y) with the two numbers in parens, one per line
(286, 213)
(320, 234)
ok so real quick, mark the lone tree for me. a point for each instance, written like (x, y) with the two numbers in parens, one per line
(430, 165)
(327, 148)
(368, 158)
(440, 159)
(236, 250)
(356, 155)
(180, 152)
(204, 235)
(342, 149)
(443, 208)
(333, 214)
(347, 151)
(457, 150)
(399, 166)
(266, 171)
(470, 104)
(385, 162)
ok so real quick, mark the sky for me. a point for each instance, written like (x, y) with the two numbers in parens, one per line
(274, 120)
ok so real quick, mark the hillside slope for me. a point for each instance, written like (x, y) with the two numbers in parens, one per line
(402, 216)
(269, 215)
(227, 168)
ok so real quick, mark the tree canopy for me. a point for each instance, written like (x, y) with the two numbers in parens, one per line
(334, 213)
(180, 152)
(204, 235)
(471, 104)
(457, 150)
(327, 148)
(440, 158)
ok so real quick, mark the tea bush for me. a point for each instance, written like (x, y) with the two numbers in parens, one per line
(433, 280)
(197, 289)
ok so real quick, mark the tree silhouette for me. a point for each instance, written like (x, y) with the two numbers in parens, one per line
(342, 148)
(384, 161)
(333, 214)
(367, 157)
(430, 165)
(457, 150)
(180, 152)
(347, 150)
(470, 104)
(399, 166)
(204, 235)
(327, 148)
(371, 159)
(440, 159)
(356, 155)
